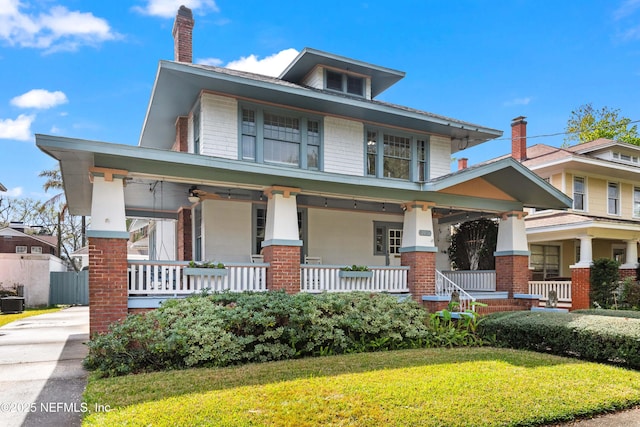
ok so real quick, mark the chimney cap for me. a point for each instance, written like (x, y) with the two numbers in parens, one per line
(185, 11)
(518, 119)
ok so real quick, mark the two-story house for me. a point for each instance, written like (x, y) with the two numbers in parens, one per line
(285, 180)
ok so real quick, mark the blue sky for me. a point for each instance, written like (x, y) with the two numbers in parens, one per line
(85, 69)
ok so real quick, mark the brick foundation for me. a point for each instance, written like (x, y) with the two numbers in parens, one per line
(283, 272)
(580, 288)
(512, 274)
(628, 272)
(435, 306)
(108, 299)
(421, 277)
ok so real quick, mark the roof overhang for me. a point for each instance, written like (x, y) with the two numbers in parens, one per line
(381, 77)
(178, 86)
(157, 181)
(556, 226)
(588, 166)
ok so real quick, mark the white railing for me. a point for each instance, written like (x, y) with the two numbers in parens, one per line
(473, 280)
(326, 278)
(542, 288)
(152, 278)
(445, 287)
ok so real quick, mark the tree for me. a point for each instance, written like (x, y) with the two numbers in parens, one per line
(473, 244)
(588, 123)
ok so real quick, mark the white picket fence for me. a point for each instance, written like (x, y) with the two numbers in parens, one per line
(542, 288)
(326, 278)
(152, 278)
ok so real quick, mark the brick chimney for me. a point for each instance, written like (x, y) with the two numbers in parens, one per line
(519, 138)
(462, 163)
(182, 35)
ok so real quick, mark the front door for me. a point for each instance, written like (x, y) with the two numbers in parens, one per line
(388, 241)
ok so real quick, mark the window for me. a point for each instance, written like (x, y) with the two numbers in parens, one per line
(280, 138)
(259, 221)
(391, 155)
(196, 131)
(578, 193)
(613, 198)
(21, 249)
(387, 238)
(545, 261)
(346, 83)
(36, 249)
(636, 202)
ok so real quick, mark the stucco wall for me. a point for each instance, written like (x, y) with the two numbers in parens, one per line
(226, 231)
(32, 271)
(343, 146)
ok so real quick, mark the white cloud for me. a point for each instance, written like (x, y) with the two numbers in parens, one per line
(628, 7)
(55, 129)
(169, 8)
(19, 128)
(40, 98)
(210, 61)
(270, 66)
(54, 30)
(14, 192)
(517, 101)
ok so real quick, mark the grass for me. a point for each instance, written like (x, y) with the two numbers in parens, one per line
(8, 318)
(426, 387)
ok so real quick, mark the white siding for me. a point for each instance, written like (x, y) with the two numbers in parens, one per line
(345, 237)
(315, 79)
(219, 118)
(226, 231)
(343, 146)
(439, 156)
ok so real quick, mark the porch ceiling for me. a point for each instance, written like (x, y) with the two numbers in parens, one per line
(158, 180)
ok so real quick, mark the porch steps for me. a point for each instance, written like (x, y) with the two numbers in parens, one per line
(505, 304)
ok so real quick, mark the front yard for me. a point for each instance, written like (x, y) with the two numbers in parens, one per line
(428, 387)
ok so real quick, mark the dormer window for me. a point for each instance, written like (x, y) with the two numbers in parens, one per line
(345, 83)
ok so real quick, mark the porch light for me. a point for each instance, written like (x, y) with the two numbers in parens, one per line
(193, 194)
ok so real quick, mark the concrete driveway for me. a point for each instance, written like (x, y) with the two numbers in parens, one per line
(41, 374)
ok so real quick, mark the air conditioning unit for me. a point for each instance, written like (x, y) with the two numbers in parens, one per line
(10, 305)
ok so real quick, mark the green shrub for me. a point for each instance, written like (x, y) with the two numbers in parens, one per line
(598, 338)
(631, 294)
(232, 328)
(634, 314)
(605, 277)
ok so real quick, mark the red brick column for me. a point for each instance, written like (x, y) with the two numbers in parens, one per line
(108, 296)
(283, 272)
(185, 240)
(627, 272)
(580, 288)
(512, 274)
(421, 277)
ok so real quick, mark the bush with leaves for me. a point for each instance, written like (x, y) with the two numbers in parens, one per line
(233, 328)
(631, 294)
(605, 278)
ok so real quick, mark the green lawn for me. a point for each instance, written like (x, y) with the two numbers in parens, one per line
(8, 318)
(427, 387)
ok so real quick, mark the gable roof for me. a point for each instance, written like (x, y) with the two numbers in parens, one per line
(47, 240)
(178, 85)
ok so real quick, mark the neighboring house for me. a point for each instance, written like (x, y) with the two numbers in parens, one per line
(26, 261)
(285, 180)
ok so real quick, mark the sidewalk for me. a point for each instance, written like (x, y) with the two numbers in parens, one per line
(628, 418)
(41, 374)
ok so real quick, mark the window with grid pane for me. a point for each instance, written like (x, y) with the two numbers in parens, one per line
(545, 261)
(281, 139)
(313, 144)
(346, 83)
(613, 198)
(248, 134)
(397, 157)
(578, 193)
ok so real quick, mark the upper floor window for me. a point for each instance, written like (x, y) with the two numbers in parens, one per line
(196, 131)
(280, 138)
(578, 193)
(396, 156)
(345, 83)
(613, 198)
(636, 202)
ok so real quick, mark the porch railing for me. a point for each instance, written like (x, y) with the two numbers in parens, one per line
(473, 280)
(152, 278)
(542, 288)
(445, 287)
(326, 278)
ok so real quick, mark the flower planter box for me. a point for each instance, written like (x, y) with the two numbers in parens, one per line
(355, 274)
(196, 271)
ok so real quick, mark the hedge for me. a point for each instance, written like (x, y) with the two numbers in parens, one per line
(597, 338)
(634, 314)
